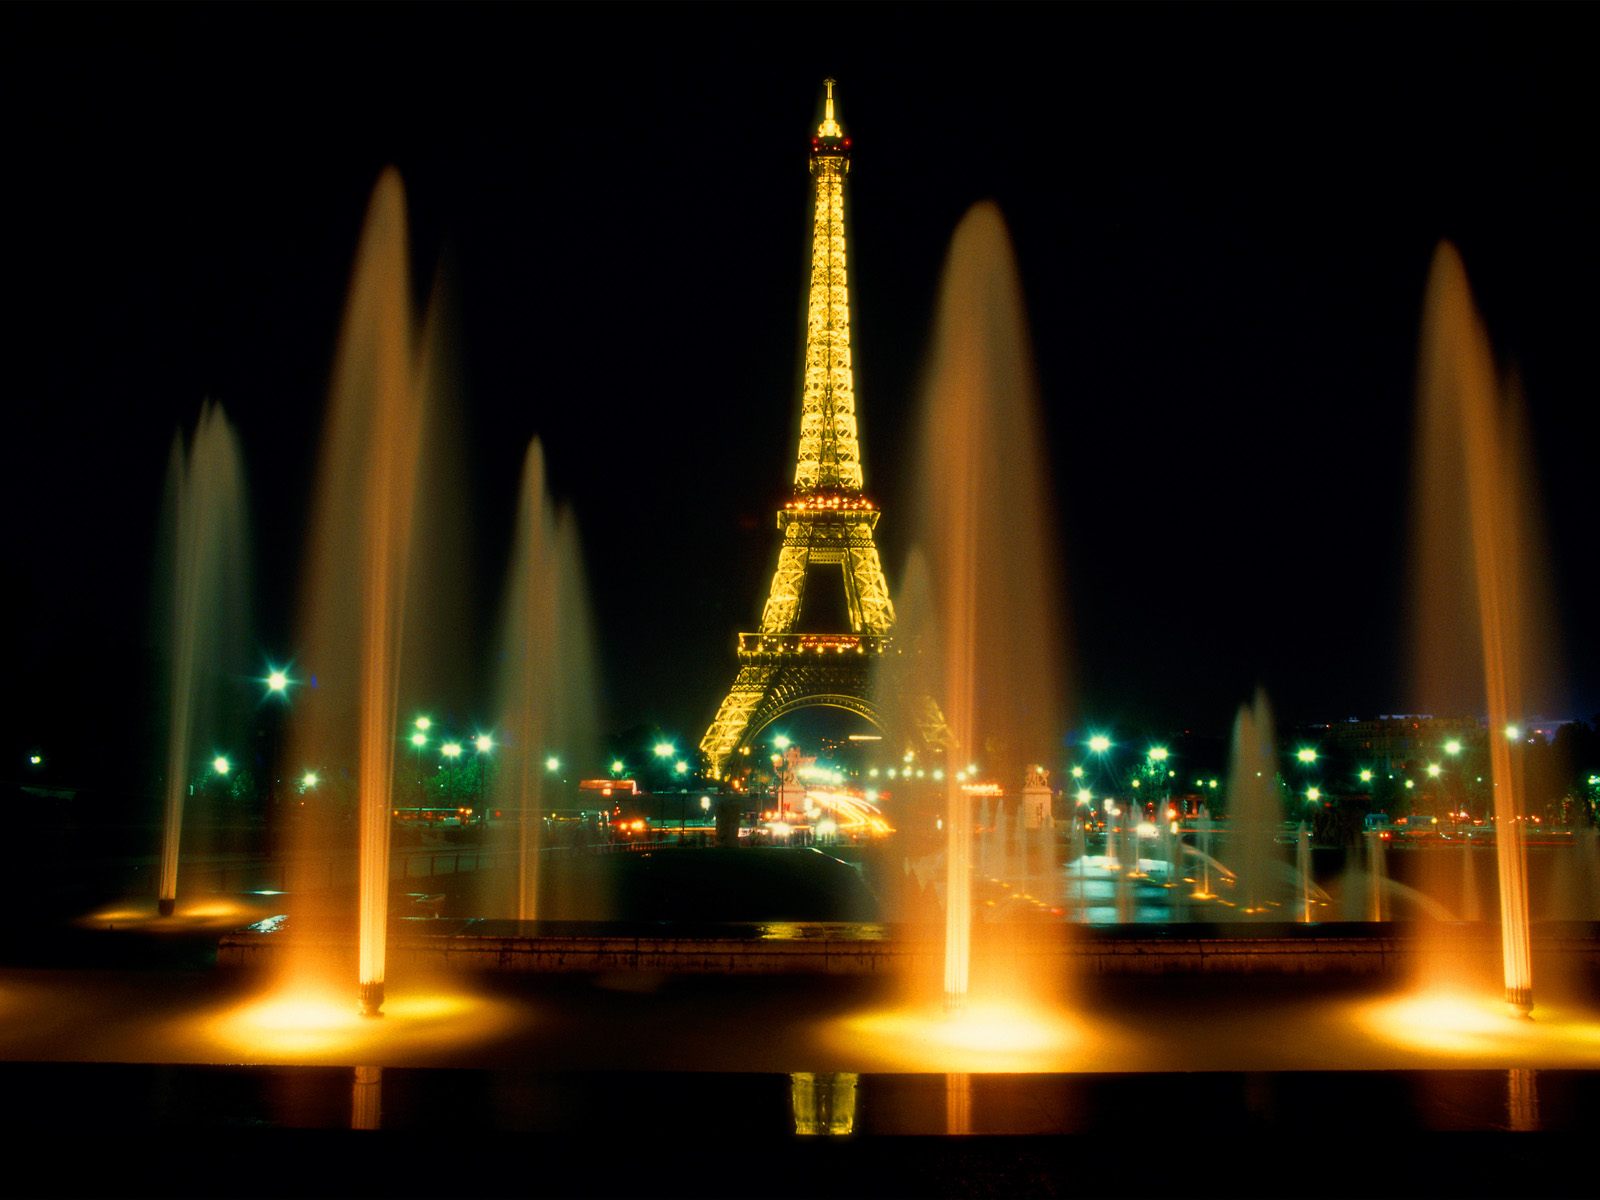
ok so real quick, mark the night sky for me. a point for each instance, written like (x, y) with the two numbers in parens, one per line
(1224, 218)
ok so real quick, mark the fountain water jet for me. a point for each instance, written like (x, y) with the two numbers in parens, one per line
(546, 689)
(205, 497)
(355, 597)
(1481, 571)
(1254, 808)
(991, 556)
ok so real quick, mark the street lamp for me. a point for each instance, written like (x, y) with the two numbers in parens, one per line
(419, 739)
(308, 781)
(485, 743)
(552, 764)
(781, 741)
(1306, 754)
(221, 765)
(277, 681)
(1099, 743)
(1453, 746)
(451, 750)
(665, 749)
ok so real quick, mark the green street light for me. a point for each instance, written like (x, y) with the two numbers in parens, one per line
(1366, 775)
(484, 743)
(1306, 754)
(419, 740)
(682, 768)
(221, 765)
(552, 763)
(1410, 783)
(1434, 770)
(1084, 796)
(665, 749)
(277, 681)
(1158, 754)
(423, 724)
(36, 759)
(451, 749)
(617, 766)
(781, 741)
(1453, 746)
(1313, 794)
(1099, 743)
(309, 780)
(1513, 733)
(1077, 772)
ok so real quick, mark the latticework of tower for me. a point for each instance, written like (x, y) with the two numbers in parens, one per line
(828, 520)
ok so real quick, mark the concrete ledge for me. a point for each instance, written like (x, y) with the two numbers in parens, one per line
(866, 950)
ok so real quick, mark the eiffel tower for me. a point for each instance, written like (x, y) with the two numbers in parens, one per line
(828, 519)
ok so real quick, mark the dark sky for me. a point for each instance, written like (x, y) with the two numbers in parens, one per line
(1223, 214)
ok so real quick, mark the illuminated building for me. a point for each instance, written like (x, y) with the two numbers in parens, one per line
(828, 519)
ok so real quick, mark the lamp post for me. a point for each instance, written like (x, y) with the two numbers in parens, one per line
(419, 739)
(484, 743)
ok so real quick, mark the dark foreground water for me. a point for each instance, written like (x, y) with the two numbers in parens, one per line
(152, 1129)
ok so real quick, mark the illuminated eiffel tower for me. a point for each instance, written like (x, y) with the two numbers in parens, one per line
(828, 520)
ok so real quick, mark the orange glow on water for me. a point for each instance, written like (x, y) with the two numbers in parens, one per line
(211, 912)
(325, 1025)
(1479, 1029)
(983, 1037)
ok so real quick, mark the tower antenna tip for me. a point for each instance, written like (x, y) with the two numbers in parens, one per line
(829, 127)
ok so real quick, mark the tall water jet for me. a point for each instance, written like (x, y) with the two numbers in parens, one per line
(355, 596)
(527, 675)
(206, 524)
(1302, 862)
(986, 531)
(1377, 877)
(1479, 569)
(1255, 810)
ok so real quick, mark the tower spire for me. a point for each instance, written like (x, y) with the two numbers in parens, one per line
(829, 127)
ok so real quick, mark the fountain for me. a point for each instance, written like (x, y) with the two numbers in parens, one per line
(1479, 569)
(355, 594)
(205, 499)
(986, 532)
(1302, 862)
(1254, 808)
(546, 690)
